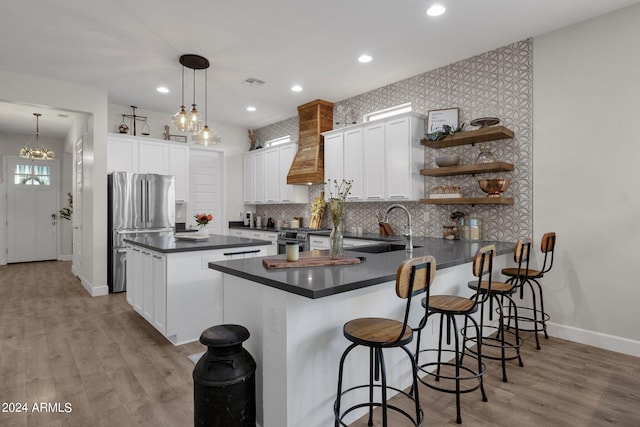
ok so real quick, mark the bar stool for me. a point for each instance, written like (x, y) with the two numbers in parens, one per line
(529, 276)
(414, 276)
(449, 307)
(498, 291)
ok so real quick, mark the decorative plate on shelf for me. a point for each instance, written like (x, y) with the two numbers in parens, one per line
(485, 121)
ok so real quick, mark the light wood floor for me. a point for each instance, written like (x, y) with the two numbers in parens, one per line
(59, 345)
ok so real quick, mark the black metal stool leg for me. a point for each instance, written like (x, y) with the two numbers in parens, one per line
(336, 406)
(542, 312)
(373, 374)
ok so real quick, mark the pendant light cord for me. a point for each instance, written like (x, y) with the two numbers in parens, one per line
(183, 86)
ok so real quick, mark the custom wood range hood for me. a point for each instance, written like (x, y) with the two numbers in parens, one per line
(308, 164)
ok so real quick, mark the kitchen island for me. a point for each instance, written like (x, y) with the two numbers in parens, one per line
(295, 317)
(170, 285)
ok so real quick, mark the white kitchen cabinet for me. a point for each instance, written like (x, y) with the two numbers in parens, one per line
(137, 155)
(382, 158)
(354, 243)
(334, 156)
(265, 177)
(179, 167)
(374, 162)
(159, 262)
(257, 234)
(318, 242)
(239, 232)
(147, 285)
(405, 158)
(153, 157)
(354, 162)
(177, 293)
(247, 185)
(122, 154)
(272, 176)
(272, 236)
(258, 177)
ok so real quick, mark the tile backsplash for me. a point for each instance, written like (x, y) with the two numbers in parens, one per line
(497, 83)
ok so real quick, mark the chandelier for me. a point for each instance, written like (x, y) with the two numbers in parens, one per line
(190, 121)
(38, 152)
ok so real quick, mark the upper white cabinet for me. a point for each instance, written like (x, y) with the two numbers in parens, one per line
(145, 155)
(122, 154)
(374, 162)
(265, 177)
(354, 162)
(380, 158)
(272, 176)
(334, 156)
(153, 157)
(259, 186)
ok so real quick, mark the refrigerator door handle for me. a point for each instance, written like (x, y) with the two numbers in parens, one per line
(147, 218)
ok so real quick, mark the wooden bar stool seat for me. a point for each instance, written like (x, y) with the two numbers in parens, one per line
(453, 376)
(527, 277)
(414, 276)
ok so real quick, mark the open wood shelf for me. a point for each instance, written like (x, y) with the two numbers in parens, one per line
(491, 133)
(468, 169)
(469, 201)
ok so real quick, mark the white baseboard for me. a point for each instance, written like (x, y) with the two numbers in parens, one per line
(94, 291)
(596, 339)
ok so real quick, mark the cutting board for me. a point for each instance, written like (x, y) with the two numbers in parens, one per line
(315, 261)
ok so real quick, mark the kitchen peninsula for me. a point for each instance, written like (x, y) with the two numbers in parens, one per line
(170, 285)
(295, 317)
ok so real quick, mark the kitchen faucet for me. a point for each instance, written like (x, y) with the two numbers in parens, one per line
(408, 233)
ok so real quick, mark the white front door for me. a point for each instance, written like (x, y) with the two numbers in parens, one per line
(33, 191)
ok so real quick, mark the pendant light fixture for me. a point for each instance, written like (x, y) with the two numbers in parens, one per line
(190, 121)
(180, 119)
(38, 152)
(206, 136)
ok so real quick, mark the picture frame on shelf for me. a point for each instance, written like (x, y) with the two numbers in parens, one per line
(178, 138)
(437, 119)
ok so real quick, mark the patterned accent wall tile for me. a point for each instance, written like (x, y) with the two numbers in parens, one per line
(496, 84)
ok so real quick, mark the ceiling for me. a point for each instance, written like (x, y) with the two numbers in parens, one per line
(131, 47)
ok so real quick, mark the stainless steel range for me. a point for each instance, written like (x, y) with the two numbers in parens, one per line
(300, 235)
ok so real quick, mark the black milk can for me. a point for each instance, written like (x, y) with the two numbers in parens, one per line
(224, 380)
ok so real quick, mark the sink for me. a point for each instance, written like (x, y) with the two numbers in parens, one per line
(381, 248)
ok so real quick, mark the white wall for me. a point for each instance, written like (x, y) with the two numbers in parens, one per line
(586, 176)
(234, 142)
(20, 88)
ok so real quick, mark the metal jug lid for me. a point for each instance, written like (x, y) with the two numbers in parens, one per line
(224, 335)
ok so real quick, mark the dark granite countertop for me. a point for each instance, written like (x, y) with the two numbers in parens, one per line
(321, 232)
(318, 282)
(169, 244)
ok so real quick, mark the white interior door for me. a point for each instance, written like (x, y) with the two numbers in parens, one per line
(33, 191)
(207, 184)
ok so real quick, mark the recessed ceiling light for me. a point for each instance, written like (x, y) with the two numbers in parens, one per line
(296, 88)
(162, 89)
(251, 108)
(365, 58)
(436, 10)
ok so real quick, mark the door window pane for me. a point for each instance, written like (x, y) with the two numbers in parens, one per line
(32, 175)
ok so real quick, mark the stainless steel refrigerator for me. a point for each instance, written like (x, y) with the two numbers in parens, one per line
(137, 203)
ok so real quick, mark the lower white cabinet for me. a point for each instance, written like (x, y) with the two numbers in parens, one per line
(354, 243)
(318, 242)
(238, 232)
(177, 292)
(271, 236)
